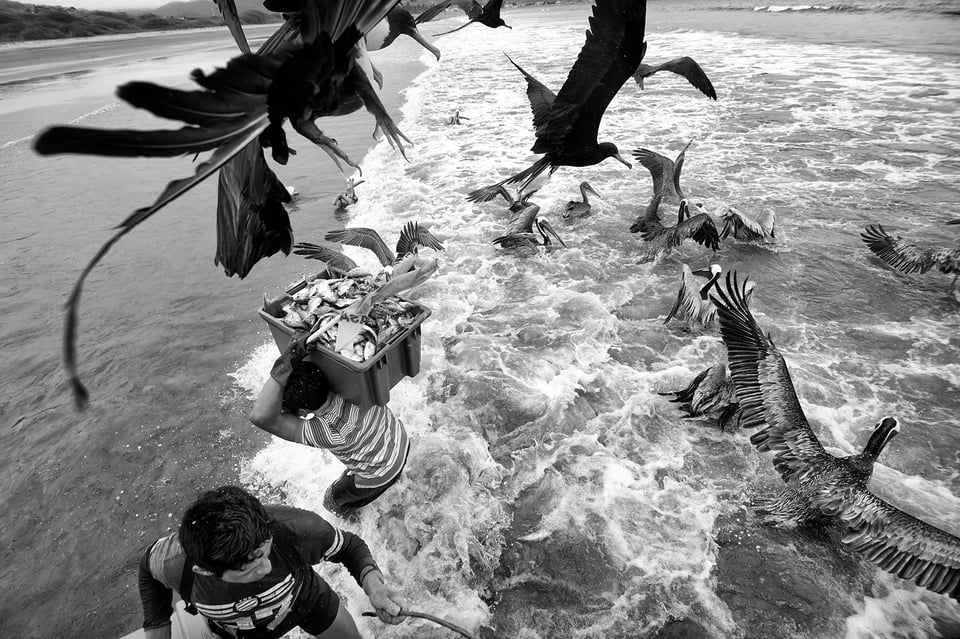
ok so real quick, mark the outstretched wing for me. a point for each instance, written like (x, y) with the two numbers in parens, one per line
(658, 165)
(541, 98)
(333, 258)
(365, 237)
(701, 228)
(686, 67)
(228, 9)
(894, 540)
(412, 235)
(764, 387)
(901, 255)
(678, 167)
(741, 226)
(613, 49)
(688, 302)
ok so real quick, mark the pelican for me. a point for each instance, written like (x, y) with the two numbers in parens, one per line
(349, 196)
(711, 392)
(664, 171)
(741, 226)
(580, 208)
(693, 306)
(486, 14)
(909, 258)
(456, 117)
(567, 122)
(820, 484)
(660, 238)
(686, 67)
(398, 22)
(520, 230)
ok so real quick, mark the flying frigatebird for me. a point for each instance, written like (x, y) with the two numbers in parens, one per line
(567, 122)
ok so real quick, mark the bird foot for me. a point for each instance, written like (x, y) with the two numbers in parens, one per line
(309, 130)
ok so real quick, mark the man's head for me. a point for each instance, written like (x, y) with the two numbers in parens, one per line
(224, 529)
(306, 390)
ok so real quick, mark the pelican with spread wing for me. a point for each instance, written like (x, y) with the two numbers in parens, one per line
(818, 483)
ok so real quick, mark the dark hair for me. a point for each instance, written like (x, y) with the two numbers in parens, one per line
(306, 389)
(220, 530)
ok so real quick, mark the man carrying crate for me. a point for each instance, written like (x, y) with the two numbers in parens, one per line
(297, 404)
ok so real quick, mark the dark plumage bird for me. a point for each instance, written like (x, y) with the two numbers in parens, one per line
(741, 226)
(310, 67)
(397, 23)
(580, 208)
(659, 238)
(711, 393)
(566, 123)
(685, 66)
(909, 258)
(524, 221)
(820, 484)
(486, 14)
(664, 171)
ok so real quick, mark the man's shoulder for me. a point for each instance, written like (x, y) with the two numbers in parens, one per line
(298, 520)
(166, 560)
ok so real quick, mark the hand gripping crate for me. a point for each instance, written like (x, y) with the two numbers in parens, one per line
(361, 383)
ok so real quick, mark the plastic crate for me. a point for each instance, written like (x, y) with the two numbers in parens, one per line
(362, 383)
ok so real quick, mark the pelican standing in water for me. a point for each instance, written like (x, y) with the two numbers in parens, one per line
(742, 227)
(566, 123)
(581, 208)
(660, 239)
(820, 484)
(711, 393)
(909, 258)
(664, 171)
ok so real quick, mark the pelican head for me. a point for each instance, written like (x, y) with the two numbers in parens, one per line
(885, 430)
(546, 232)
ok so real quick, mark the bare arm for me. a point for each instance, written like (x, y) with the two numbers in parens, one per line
(387, 601)
(267, 413)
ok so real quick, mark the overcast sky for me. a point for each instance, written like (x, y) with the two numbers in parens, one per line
(106, 5)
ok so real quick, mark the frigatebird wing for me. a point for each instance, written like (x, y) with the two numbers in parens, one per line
(613, 49)
(541, 98)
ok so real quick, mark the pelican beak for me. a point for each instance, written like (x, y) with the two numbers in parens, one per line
(590, 188)
(703, 272)
(546, 228)
(619, 158)
(954, 222)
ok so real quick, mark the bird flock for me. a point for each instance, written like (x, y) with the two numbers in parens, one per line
(316, 65)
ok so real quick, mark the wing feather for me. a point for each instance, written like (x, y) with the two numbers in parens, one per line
(365, 237)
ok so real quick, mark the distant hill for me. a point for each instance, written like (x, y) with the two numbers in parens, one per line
(208, 9)
(19, 22)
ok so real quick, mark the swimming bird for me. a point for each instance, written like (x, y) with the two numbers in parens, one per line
(311, 66)
(660, 238)
(412, 236)
(818, 483)
(567, 123)
(693, 307)
(398, 22)
(349, 196)
(487, 14)
(711, 393)
(743, 227)
(456, 117)
(664, 171)
(909, 258)
(520, 230)
(581, 208)
(686, 67)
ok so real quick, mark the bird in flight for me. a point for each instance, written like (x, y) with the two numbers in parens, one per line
(567, 122)
(910, 258)
(819, 484)
(486, 14)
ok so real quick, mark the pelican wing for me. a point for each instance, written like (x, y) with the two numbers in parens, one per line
(365, 237)
(678, 167)
(648, 224)
(331, 257)
(741, 226)
(764, 386)
(894, 540)
(541, 98)
(613, 49)
(701, 228)
(689, 305)
(901, 255)
(413, 235)
(685, 66)
(658, 165)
